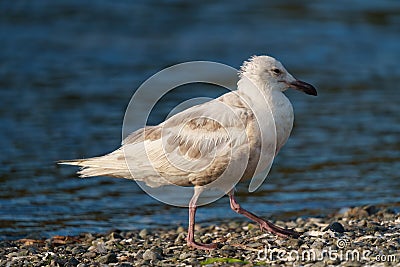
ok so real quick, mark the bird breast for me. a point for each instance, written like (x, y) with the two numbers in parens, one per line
(282, 111)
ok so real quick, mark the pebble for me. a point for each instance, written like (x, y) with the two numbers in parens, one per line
(180, 238)
(255, 245)
(317, 244)
(109, 258)
(233, 225)
(143, 233)
(371, 209)
(98, 246)
(335, 227)
(150, 255)
(362, 228)
(185, 255)
(180, 229)
(72, 262)
(358, 212)
(293, 242)
(115, 236)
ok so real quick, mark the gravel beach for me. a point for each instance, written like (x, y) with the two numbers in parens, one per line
(360, 236)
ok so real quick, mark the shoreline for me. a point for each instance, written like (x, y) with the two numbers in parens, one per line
(359, 236)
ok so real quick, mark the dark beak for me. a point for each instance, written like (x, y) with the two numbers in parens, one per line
(304, 87)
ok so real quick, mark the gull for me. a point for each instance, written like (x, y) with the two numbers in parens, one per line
(194, 147)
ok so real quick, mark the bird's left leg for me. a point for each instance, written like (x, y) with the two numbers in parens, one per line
(264, 225)
(192, 214)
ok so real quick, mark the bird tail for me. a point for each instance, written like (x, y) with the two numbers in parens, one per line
(112, 164)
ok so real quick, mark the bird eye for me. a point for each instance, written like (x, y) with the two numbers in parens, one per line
(276, 71)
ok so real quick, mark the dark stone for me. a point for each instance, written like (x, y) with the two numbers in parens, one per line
(115, 235)
(72, 262)
(59, 261)
(77, 250)
(371, 209)
(335, 227)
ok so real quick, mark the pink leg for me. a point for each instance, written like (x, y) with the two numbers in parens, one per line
(192, 213)
(264, 225)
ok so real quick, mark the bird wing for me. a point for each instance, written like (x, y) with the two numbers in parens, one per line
(192, 147)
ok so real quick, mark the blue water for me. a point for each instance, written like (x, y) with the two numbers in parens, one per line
(69, 68)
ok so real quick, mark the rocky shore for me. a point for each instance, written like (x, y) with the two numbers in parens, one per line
(361, 236)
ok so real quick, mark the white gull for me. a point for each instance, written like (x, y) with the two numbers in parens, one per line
(197, 146)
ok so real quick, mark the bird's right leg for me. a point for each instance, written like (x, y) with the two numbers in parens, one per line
(192, 214)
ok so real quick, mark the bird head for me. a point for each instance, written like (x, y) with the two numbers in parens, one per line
(267, 73)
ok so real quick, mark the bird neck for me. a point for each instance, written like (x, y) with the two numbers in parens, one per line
(256, 90)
